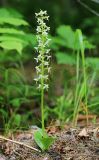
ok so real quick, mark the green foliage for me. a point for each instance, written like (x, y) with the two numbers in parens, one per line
(12, 17)
(11, 37)
(68, 39)
(15, 89)
(43, 140)
(63, 58)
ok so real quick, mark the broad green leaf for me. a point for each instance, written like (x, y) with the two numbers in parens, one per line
(63, 58)
(10, 45)
(67, 34)
(71, 39)
(13, 39)
(13, 21)
(10, 12)
(30, 38)
(11, 31)
(59, 41)
(43, 140)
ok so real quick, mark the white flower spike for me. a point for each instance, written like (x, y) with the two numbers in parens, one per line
(43, 57)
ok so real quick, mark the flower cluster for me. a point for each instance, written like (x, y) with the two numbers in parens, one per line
(42, 49)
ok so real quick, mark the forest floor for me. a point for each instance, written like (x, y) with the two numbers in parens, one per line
(70, 144)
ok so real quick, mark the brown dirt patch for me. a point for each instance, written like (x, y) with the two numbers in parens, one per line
(69, 145)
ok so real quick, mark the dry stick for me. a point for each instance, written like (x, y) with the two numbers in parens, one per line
(19, 143)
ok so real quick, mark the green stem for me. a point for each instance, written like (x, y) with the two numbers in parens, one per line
(42, 92)
(42, 108)
(76, 92)
(85, 82)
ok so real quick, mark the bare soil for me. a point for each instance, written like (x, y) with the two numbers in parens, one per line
(70, 144)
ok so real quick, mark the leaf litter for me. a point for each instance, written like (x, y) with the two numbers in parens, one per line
(70, 144)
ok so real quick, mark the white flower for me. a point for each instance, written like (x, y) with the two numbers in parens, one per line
(46, 86)
(46, 63)
(48, 50)
(38, 29)
(49, 69)
(36, 48)
(38, 69)
(36, 79)
(39, 86)
(36, 59)
(48, 57)
(45, 77)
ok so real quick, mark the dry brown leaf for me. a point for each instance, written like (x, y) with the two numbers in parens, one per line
(83, 133)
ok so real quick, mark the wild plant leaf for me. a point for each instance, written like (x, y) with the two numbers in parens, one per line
(63, 58)
(16, 120)
(88, 45)
(10, 12)
(30, 38)
(4, 38)
(67, 34)
(13, 21)
(15, 102)
(43, 140)
(3, 113)
(11, 30)
(92, 62)
(58, 41)
(12, 45)
(80, 43)
(70, 39)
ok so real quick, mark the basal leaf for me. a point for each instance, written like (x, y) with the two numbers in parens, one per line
(43, 140)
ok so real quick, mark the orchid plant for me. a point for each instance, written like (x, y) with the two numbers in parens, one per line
(42, 70)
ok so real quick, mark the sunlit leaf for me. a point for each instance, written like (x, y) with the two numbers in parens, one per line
(63, 58)
(10, 12)
(13, 21)
(67, 34)
(11, 30)
(12, 45)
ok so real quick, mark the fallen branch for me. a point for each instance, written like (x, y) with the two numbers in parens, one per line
(19, 143)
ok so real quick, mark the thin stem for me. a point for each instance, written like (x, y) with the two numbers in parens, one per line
(76, 92)
(42, 91)
(42, 106)
(85, 83)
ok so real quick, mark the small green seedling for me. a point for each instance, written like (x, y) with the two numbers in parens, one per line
(42, 69)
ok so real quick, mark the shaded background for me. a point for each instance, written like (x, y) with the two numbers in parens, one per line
(69, 12)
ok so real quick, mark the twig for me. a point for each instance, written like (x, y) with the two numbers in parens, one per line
(88, 8)
(19, 143)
